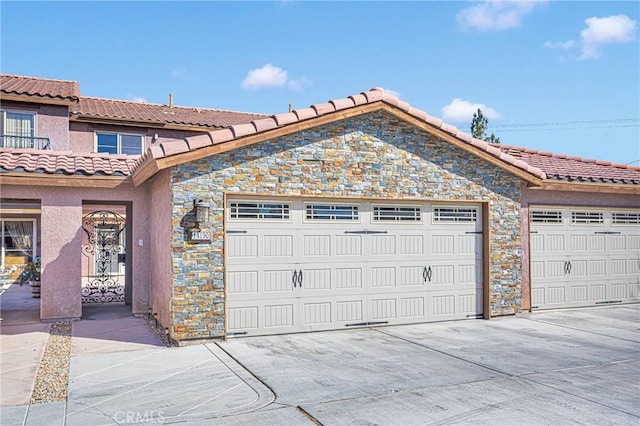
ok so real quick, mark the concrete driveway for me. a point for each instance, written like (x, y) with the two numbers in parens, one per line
(563, 367)
(578, 366)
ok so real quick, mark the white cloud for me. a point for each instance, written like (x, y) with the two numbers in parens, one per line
(134, 98)
(460, 111)
(559, 45)
(496, 15)
(271, 76)
(601, 31)
(267, 76)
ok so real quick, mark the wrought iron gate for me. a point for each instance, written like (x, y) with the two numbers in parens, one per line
(104, 249)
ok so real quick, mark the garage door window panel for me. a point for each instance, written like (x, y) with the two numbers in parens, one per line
(549, 217)
(332, 212)
(455, 215)
(396, 214)
(587, 218)
(259, 211)
(625, 218)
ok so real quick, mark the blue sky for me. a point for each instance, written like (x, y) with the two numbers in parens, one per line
(556, 76)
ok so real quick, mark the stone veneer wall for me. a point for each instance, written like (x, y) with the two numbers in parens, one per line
(372, 155)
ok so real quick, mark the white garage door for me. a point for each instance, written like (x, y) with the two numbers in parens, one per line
(296, 265)
(584, 257)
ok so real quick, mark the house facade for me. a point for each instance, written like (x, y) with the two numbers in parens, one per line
(361, 211)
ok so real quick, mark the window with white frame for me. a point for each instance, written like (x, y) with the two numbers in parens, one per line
(119, 143)
(18, 128)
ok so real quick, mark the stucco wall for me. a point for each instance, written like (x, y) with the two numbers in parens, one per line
(61, 242)
(374, 155)
(52, 121)
(82, 134)
(531, 196)
(160, 245)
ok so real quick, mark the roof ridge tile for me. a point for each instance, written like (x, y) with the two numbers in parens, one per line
(265, 124)
(305, 113)
(373, 95)
(324, 108)
(359, 99)
(240, 130)
(344, 103)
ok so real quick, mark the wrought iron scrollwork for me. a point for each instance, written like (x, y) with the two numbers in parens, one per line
(103, 229)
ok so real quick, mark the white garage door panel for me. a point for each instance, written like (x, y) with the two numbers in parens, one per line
(584, 257)
(294, 274)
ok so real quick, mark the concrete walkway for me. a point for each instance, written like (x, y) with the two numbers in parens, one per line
(120, 372)
(563, 367)
(22, 341)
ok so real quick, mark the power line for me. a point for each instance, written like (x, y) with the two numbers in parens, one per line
(567, 123)
(537, 129)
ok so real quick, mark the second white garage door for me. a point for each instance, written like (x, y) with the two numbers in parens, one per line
(296, 265)
(584, 257)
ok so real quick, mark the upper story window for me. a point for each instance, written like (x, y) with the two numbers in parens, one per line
(18, 129)
(119, 143)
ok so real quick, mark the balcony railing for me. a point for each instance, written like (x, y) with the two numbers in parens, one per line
(24, 142)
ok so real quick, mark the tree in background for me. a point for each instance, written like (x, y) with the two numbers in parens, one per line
(479, 125)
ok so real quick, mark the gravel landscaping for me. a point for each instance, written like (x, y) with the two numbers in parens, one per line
(53, 373)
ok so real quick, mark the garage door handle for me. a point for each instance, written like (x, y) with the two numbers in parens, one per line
(569, 267)
(424, 274)
(300, 278)
(429, 274)
(294, 280)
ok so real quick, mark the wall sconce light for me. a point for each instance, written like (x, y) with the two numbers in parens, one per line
(202, 212)
(195, 234)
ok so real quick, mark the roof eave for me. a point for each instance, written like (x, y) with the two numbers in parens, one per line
(75, 116)
(600, 187)
(52, 179)
(36, 99)
(202, 128)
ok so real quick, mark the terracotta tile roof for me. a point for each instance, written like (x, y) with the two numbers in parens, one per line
(279, 120)
(39, 87)
(568, 168)
(155, 113)
(65, 163)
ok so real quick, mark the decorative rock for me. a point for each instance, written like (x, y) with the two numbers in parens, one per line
(373, 155)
